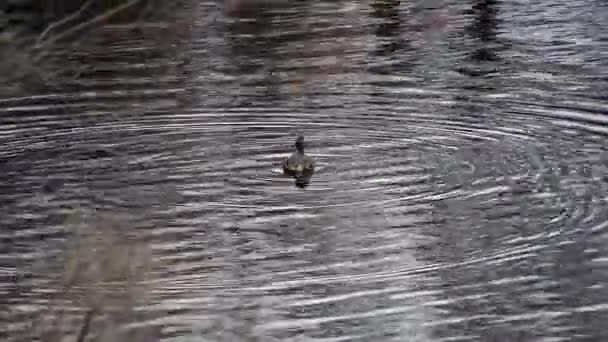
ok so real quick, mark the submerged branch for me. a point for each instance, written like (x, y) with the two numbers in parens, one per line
(87, 23)
(63, 21)
(86, 324)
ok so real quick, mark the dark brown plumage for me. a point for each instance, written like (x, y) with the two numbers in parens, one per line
(299, 164)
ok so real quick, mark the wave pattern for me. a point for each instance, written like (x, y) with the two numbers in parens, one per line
(460, 191)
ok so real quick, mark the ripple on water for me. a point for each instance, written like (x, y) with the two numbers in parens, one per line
(435, 212)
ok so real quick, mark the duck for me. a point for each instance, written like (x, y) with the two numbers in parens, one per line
(299, 164)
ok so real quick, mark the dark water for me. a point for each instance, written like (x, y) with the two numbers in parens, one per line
(460, 193)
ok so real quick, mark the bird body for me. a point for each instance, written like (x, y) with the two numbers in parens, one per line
(299, 164)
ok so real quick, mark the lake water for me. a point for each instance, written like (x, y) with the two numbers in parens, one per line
(460, 190)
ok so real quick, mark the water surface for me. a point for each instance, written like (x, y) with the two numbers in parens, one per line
(460, 193)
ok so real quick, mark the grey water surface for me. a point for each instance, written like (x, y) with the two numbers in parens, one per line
(460, 191)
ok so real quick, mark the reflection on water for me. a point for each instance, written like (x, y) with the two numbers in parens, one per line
(459, 188)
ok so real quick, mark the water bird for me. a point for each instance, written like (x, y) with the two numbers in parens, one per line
(299, 165)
